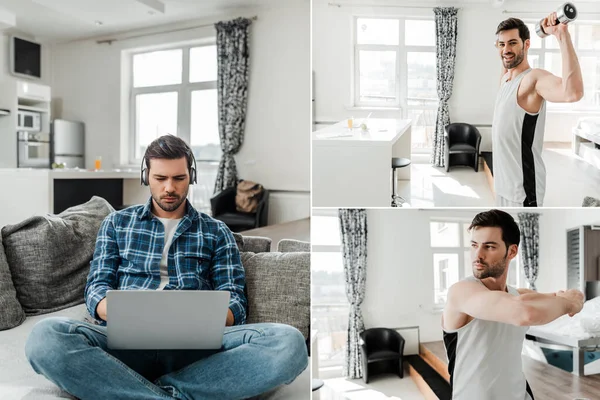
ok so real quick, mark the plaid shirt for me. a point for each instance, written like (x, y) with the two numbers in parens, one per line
(203, 256)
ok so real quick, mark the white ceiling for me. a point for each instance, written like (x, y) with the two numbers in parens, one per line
(53, 21)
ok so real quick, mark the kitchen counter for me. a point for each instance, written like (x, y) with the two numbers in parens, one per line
(34, 191)
(72, 173)
(352, 168)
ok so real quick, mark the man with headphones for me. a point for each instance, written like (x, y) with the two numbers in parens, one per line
(254, 358)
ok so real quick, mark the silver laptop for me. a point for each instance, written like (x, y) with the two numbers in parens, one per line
(166, 319)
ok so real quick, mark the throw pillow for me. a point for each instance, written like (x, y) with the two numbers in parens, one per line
(11, 313)
(49, 256)
(278, 288)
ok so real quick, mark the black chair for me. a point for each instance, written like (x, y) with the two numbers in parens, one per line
(382, 350)
(462, 145)
(223, 208)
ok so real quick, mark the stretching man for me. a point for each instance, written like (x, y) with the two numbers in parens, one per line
(149, 247)
(485, 320)
(520, 111)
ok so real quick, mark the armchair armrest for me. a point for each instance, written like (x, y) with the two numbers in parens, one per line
(474, 137)
(223, 201)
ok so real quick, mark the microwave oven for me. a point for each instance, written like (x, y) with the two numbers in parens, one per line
(29, 121)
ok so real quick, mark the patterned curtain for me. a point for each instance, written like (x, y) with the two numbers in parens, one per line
(232, 84)
(446, 19)
(529, 249)
(353, 226)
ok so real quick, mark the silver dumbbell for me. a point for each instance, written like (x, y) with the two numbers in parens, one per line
(565, 14)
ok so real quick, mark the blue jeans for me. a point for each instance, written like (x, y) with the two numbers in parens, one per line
(254, 359)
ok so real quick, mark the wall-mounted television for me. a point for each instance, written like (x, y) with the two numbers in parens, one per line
(25, 58)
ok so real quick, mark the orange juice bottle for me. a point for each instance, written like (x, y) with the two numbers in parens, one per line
(98, 163)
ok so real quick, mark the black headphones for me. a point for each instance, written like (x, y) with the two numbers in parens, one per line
(191, 166)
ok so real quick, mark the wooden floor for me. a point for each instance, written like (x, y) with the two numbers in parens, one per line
(299, 230)
(547, 381)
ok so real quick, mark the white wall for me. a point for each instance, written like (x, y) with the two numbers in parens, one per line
(553, 244)
(477, 69)
(87, 87)
(399, 290)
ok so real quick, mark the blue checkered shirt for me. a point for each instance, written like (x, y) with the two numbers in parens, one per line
(203, 256)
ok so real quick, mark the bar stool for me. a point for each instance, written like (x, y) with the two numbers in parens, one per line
(397, 162)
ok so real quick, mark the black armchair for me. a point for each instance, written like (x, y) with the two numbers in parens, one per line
(382, 350)
(462, 145)
(223, 208)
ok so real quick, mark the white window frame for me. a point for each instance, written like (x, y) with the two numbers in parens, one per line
(402, 51)
(541, 53)
(184, 96)
(460, 251)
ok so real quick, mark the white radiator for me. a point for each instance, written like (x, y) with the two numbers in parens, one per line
(411, 339)
(486, 137)
(288, 206)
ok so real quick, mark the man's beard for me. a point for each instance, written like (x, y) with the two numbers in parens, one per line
(518, 59)
(491, 271)
(169, 207)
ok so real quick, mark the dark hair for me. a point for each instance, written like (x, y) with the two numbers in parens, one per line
(168, 147)
(514, 23)
(499, 219)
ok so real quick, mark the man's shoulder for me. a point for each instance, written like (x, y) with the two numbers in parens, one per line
(126, 214)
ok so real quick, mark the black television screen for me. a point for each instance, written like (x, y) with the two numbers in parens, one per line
(26, 58)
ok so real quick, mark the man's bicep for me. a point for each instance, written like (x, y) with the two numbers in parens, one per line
(550, 87)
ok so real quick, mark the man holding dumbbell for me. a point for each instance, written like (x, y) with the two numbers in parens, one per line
(520, 110)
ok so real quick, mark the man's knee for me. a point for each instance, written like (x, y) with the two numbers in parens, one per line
(293, 346)
(44, 342)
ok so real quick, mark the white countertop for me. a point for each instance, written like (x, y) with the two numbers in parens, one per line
(71, 173)
(382, 131)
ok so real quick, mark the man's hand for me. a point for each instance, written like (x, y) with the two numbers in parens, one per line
(230, 320)
(575, 298)
(101, 309)
(550, 27)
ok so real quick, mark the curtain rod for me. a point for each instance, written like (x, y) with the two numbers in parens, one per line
(110, 41)
(339, 5)
(539, 12)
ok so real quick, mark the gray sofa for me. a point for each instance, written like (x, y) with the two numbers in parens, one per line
(275, 294)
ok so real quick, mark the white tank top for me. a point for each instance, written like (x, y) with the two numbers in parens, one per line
(484, 360)
(517, 141)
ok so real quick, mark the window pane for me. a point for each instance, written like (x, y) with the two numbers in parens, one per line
(156, 115)
(157, 68)
(203, 64)
(468, 264)
(325, 231)
(204, 135)
(552, 43)
(590, 71)
(534, 60)
(422, 128)
(553, 63)
(419, 33)
(444, 234)
(466, 235)
(445, 274)
(421, 78)
(377, 76)
(534, 39)
(377, 31)
(589, 37)
(329, 307)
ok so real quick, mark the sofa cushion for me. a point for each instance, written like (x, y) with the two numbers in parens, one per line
(49, 256)
(11, 313)
(278, 288)
(292, 246)
(256, 244)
